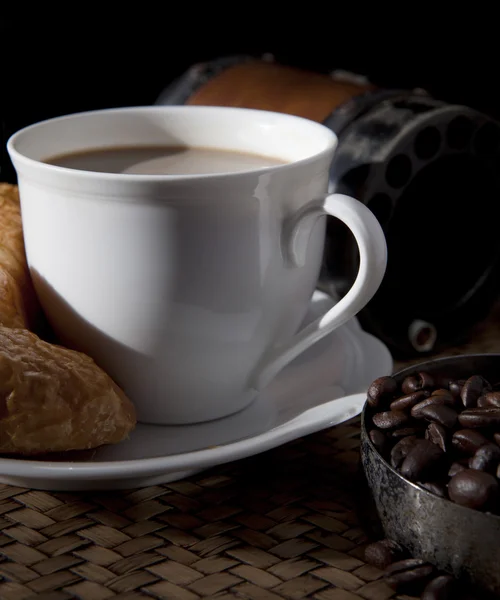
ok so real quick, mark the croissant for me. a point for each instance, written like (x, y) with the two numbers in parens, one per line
(18, 303)
(51, 399)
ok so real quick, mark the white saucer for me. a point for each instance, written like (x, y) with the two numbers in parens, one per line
(323, 387)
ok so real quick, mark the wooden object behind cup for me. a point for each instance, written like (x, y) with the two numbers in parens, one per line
(279, 88)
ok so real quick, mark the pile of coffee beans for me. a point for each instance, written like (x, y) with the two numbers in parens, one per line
(442, 434)
(413, 576)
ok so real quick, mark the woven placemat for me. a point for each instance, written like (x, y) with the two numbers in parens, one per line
(280, 525)
(288, 524)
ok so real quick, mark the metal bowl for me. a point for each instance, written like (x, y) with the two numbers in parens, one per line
(454, 538)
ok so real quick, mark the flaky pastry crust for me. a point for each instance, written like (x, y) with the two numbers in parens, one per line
(52, 399)
(18, 303)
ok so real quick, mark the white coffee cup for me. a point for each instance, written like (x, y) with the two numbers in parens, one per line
(187, 289)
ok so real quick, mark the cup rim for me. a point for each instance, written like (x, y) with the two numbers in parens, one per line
(329, 136)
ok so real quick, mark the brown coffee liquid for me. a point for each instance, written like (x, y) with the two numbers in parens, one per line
(162, 160)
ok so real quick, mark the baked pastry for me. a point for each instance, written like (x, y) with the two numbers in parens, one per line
(54, 399)
(51, 399)
(18, 303)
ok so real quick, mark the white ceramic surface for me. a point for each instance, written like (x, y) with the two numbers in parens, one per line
(188, 290)
(310, 394)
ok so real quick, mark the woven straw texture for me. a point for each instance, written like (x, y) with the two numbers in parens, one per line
(289, 524)
(281, 525)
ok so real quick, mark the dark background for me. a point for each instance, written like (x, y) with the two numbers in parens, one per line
(78, 59)
(81, 60)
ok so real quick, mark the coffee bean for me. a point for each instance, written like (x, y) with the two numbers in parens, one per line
(428, 380)
(406, 402)
(439, 413)
(474, 489)
(381, 388)
(401, 450)
(455, 468)
(421, 461)
(441, 392)
(391, 419)
(431, 401)
(456, 386)
(378, 440)
(474, 387)
(436, 433)
(415, 576)
(486, 458)
(378, 555)
(382, 554)
(414, 383)
(480, 417)
(432, 407)
(411, 384)
(467, 441)
(440, 588)
(489, 399)
(450, 399)
(399, 433)
(439, 489)
(408, 573)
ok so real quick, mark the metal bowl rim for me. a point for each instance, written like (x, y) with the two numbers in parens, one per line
(364, 431)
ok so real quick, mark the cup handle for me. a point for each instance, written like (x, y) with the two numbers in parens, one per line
(372, 264)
